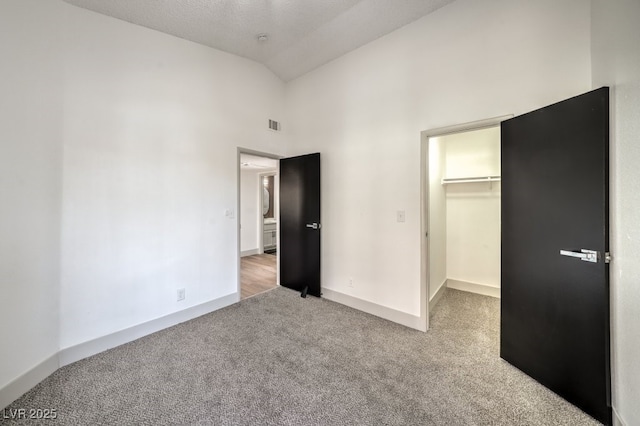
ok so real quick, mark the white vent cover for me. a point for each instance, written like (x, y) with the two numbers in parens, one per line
(274, 125)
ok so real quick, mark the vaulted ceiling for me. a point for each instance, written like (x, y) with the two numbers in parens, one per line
(300, 34)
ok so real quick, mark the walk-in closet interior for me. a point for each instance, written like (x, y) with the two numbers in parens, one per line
(464, 212)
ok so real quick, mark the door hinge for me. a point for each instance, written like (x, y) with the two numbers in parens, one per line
(607, 257)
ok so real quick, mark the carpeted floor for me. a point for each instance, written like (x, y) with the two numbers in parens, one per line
(278, 359)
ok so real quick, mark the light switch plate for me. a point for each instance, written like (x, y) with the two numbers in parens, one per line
(400, 216)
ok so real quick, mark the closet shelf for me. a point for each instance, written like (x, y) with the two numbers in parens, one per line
(447, 181)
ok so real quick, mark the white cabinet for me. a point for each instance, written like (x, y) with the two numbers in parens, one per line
(269, 237)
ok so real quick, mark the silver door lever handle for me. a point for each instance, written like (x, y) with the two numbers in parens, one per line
(313, 225)
(583, 254)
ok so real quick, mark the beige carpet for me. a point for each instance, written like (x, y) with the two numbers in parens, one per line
(278, 359)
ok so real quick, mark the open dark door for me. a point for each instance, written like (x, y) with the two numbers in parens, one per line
(300, 223)
(555, 244)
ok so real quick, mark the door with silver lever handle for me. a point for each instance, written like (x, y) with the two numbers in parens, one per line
(584, 255)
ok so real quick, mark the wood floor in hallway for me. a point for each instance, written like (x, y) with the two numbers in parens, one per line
(257, 274)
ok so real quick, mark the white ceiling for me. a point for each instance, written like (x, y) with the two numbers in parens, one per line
(302, 34)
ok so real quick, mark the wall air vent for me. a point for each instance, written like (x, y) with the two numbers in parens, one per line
(274, 125)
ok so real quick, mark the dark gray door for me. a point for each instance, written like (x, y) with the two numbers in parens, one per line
(300, 223)
(555, 236)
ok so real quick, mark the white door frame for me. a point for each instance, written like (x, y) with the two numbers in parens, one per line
(241, 151)
(425, 135)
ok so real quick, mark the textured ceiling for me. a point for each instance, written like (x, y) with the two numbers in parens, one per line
(302, 34)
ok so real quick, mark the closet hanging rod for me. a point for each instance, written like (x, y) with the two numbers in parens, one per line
(447, 181)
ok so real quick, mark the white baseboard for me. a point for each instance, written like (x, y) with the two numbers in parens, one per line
(249, 252)
(436, 297)
(617, 420)
(101, 344)
(390, 314)
(31, 378)
(28, 380)
(485, 290)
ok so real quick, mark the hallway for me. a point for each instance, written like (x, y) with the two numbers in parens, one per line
(258, 273)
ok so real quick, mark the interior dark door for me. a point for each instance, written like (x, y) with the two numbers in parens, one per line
(555, 302)
(300, 223)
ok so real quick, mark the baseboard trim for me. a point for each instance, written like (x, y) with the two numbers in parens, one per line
(31, 378)
(390, 314)
(617, 420)
(101, 344)
(249, 252)
(485, 290)
(436, 297)
(28, 380)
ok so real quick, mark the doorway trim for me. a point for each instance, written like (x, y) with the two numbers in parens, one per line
(240, 151)
(425, 135)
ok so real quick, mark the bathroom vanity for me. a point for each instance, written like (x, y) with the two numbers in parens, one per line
(269, 236)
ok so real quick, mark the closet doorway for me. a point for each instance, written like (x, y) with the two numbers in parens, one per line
(463, 210)
(258, 223)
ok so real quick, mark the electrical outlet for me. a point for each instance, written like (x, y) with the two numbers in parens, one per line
(350, 282)
(181, 294)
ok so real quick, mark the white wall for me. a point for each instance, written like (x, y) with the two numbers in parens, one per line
(250, 211)
(473, 154)
(473, 233)
(364, 112)
(30, 184)
(119, 159)
(150, 129)
(473, 209)
(152, 124)
(437, 217)
(616, 63)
